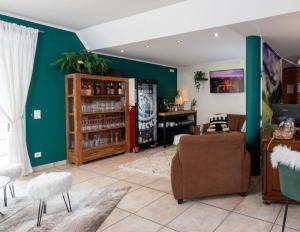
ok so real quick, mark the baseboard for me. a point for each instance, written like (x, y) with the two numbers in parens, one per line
(50, 165)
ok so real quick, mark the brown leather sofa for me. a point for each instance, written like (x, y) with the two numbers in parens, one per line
(211, 164)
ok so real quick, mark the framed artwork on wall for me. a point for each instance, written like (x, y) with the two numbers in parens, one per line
(227, 81)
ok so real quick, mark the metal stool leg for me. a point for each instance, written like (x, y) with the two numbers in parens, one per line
(5, 196)
(70, 206)
(45, 208)
(40, 213)
(11, 190)
(285, 214)
(65, 202)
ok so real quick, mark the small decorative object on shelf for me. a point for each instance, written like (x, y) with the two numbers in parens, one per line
(178, 98)
(198, 78)
(97, 117)
(187, 105)
(86, 90)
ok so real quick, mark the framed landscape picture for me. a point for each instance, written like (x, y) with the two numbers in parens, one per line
(227, 81)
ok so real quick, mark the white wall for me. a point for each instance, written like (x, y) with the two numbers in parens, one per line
(210, 103)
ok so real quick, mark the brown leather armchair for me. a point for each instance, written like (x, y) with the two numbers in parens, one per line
(210, 164)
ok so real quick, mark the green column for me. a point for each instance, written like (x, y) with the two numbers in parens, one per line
(253, 100)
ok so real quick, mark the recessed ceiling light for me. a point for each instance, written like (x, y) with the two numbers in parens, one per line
(216, 34)
(148, 46)
(122, 51)
(179, 41)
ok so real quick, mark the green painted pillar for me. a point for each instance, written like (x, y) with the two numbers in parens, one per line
(253, 100)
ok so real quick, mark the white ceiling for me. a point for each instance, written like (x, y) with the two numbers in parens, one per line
(196, 47)
(79, 14)
(282, 32)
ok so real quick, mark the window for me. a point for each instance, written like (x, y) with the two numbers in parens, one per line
(3, 139)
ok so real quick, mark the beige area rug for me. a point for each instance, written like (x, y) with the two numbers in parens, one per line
(90, 209)
(158, 163)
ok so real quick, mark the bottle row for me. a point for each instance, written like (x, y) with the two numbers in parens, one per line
(102, 123)
(103, 88)
(102, 106)
(145, 136)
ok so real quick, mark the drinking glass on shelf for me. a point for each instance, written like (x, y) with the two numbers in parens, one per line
(116, 137)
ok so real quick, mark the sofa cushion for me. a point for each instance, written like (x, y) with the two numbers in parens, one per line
(218, 122)
(235, 121)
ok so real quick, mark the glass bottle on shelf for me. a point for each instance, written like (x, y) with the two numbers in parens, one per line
(112, 90)
(107, 89)
(140, 139)
(97, 89)
(120, 89)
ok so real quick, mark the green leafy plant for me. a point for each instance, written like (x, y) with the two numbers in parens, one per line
(199, 76)
(81, 62)
(194, 103)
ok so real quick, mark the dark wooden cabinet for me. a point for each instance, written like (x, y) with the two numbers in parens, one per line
(271, 185)
(291, 85)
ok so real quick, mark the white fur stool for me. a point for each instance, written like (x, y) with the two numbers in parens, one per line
(48, 185)
(13, 171)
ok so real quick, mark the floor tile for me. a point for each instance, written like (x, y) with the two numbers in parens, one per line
(277, 228)
(142, 179)
(224, 202)
(240, 223)
(162, 184)
(293, 217)
(134, 223)
(105, 168)
(95, 183)
(166, 229)
(199, 217)
(123, 184)
(80, 175)
(122, 174)
(138, 199)
(116, 216)
(163, 210)
(253, 206)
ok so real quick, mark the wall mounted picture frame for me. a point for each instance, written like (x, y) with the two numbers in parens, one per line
(227, 81)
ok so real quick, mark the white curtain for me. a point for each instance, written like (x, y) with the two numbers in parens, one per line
(17, 51)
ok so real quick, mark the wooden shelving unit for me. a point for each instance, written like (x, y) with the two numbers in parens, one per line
(97, 125)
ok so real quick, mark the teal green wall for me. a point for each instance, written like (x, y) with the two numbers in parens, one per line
(253, 100)
(47, 90)
(167, 80)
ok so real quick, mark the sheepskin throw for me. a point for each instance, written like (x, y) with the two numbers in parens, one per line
(218, 122)
(90, 209)
(284, 155)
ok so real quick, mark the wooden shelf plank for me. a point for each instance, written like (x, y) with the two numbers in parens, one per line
(106, 129)
(181, 112)
(102, 96)
(104, 146)
(106, 112)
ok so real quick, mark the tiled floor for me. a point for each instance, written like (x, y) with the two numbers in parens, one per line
(150, 206)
